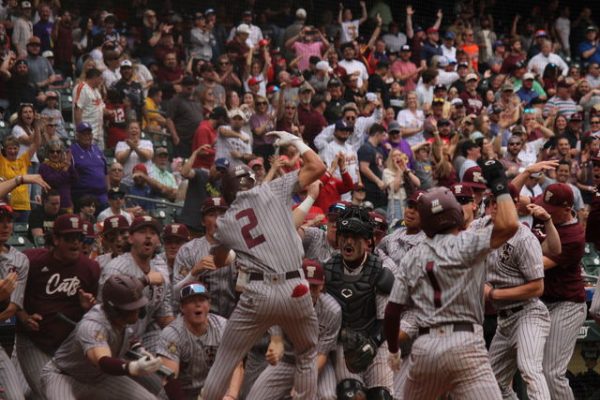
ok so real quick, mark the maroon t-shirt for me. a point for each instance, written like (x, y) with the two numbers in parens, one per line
(473, 103)
(564, 282)
(52, 287)
(592, 230)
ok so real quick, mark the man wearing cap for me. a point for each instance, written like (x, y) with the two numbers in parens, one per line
(162, 181)
(141, 262)
(90, 164)
(340, 144)
(41, 72)
(254, 33)
(353, 66)
(295, 28)
(22, 28)
(112, 61)
(470, 97)
(538, 63)
(396, 141)
(61, 280)
(184, 113)
(202, 39)
(564, 292)
(205, 137)
(115, 233)
(431, 46)
(41, 220)
(276, 380)
(237, 47)
(116, 201)
(233, 142)
(562, 100)
(89, 106)
(526, 92)
(92, 361)
(173, 236)
(404, 70)
(308, 42)
(189, 344)
(589, 49)
(14, 267)
(130, 88)
(194, 262)
(448, 48)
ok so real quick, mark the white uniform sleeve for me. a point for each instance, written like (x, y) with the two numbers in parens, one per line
(22, 270)
(323, 138)
(284, 187)
(473, 244)
(401, 291)
(595, 307)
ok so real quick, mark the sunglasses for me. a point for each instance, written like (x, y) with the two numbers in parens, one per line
(464, 200)
(192, 289)
(88, 240)
(515, 144)
(54, 151)
(595, 122)
(73, 237)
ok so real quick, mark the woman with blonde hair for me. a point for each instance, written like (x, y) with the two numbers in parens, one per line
(59, 172)
(400, 181)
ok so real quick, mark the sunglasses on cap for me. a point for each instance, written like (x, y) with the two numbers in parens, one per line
(192, 290)
(336, 208)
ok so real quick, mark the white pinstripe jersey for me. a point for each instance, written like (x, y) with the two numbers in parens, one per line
(15, 261)
(94, 330)
(397, 244)
(159, 296)
(316, 246)
(515, 263)
(258, 226)
(195, 354)
(104, 259)
(443, 278)
(220, 283)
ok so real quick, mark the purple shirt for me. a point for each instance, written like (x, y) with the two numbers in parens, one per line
(90, 165)
(60, 181)
(403, 146)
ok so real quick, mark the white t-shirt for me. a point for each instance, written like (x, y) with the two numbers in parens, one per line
(92, 108)
(108, 213)
(134, 159)
(110, 76)
(349, 31)
(224, 146)
(408, 119)
(17, 132)
(353, 66)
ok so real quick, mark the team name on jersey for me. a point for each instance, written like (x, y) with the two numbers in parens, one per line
(68, 286)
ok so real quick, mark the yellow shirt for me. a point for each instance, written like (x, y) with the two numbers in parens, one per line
(19, 197)
(151, 115)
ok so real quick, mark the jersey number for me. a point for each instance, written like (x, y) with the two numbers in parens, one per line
(437, 292)
(250, 240)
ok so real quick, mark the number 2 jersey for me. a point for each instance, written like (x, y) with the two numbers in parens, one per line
(258, 226)
(443, 278)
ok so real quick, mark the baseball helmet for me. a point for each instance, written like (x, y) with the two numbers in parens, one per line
(439, 210)
(355, 221)
(238, 178)
(124, 292)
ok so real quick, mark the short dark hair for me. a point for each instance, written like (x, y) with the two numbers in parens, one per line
(93, 73)
(85, 201)
(50, 193)
(466, 146)
(153, 90)
(564, 162)
(375, 129)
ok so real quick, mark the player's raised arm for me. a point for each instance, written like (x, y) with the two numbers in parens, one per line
(506, 223)
(313, 167)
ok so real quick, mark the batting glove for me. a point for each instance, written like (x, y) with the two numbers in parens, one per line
(495, 175)
(288, 138)
(144, 366)
(394, 361)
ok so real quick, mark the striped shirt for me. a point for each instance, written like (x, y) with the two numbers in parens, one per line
(15, 261)
(565, 107)
(316, 246)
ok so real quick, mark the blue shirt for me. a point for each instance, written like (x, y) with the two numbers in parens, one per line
(585, 46)
(91, 168)
(527, 96)
(429, 50)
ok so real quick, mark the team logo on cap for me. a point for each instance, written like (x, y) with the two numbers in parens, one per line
(175, 228)
(548, 196)
(74, 222)
(436, 207)
(147, 218)
(458, 189)
(310, 271)
(114, 222)
(217, 201)
(477, 177)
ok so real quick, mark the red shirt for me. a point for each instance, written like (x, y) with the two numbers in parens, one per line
(169, 75)
(205, 134)
(313, 122)
(117, 125)
(333, 189)
(564, 282)
(52, 287)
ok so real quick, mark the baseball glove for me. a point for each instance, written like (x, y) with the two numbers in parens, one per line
(359, 350)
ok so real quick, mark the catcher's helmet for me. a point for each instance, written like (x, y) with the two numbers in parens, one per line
(238, 178)
(124, 292)
(439, 210)
(355, 221)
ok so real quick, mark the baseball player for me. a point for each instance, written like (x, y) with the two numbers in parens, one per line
(14, 266)
(90, 363)
(442, 279)
(564, 292)
(514, 282)
(466, 198)
(276, 380)
(142, 263)
(258, 226)
(60, 281)
(360, 284)
(115, 233)
(195, 263)
(189, 344)
(174, 236)
(318, 244)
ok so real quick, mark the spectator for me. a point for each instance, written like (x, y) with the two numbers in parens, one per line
(470, 48)
(129, 88)
(350, 27)
(307, 43)
(370, 159)
(227, 76)
(471, 152)
(133, 151)
(237, 47)
(22, 28)
(41, 72)
(58, 170)
(116, 201)
(210, 80)
(41, 220)
(340, 145)
(202, 40)
(411, 121)
(19, 88)
(562, 101)
(470, 97)
(589, 49)
(262, 121)
(310, 116)
(162, 180)
(233, 141)
(86, 208)
(154, 119)
(89, 106)
(254, 32)
(112, 72)
(333, 111)
(394, 39)
(514, 56)
(425, 87)
(62, 38)
(169, 71)
(142, 191)
(422, 166)
(430, 47)
(399, 180)
(29, 124)
(593, 75)
(404, 70)
(184, 114)
(52, 111)
(90, 165)
(206, 137)
(538, 63)
(485, 39)
(448, 49)
(353, 66)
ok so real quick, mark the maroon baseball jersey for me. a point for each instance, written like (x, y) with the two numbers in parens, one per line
(564, 282)
(592, 232)
(52, 287)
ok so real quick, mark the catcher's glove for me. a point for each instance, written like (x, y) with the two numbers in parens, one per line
(359, 350)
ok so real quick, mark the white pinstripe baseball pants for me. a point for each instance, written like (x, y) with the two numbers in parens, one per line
(566, 318)
(519, 343)
(276, 381)
(262, 305)
(400, 377)
(9, 379)
(444, 361)
(31, 360)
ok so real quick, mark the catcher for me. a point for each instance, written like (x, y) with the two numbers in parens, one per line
(360, 284)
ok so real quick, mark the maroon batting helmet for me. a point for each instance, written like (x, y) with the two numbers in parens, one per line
(238, 178)
(439, 211)
(124, 292)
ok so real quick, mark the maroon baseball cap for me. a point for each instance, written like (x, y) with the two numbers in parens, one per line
(68, 223)
(115, 222)
(462, 192)
(214, 203)
(313, 271)
(140, 168)
(88, 229)
(177, 231)
(142, 222)
(474, 178)
(6, 209)
(379, 220)
(556, 197)
(414, 197)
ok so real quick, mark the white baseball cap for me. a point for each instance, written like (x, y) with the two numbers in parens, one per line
(528, 75)
(126, 63)
(371, 97)
(301, 13)
(237, 112)
(472, 76)
(48, 54)
(243, 28)
(323, 66)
